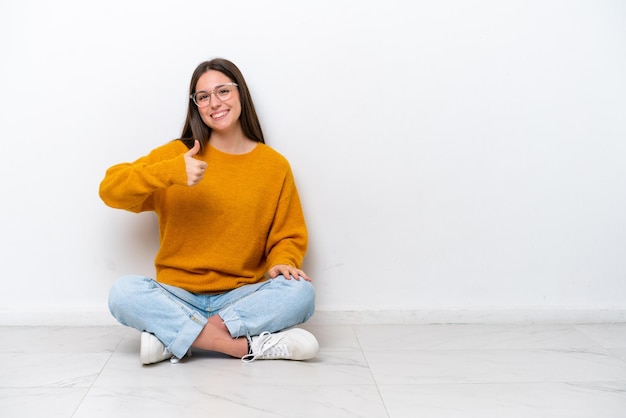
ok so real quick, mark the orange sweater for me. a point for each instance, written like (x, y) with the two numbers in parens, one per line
(242, 218)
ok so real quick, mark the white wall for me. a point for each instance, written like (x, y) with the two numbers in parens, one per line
(457, 160)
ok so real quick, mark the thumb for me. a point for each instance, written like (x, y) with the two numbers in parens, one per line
(193, 151)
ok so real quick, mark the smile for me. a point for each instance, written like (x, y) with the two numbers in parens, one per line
(219, 115)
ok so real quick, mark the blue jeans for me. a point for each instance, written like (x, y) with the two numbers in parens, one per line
(176, 317)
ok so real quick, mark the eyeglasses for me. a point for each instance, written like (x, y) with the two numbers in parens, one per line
(222, 92)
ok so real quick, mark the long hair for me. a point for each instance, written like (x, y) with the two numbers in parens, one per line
(195, 128)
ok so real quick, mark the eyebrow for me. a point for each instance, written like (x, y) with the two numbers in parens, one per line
(216, 86)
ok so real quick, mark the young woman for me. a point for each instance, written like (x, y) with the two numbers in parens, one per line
(232, 235)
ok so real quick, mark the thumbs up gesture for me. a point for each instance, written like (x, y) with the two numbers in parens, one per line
(195, 168)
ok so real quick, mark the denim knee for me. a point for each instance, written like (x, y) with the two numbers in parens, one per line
(123, 293)
(308, 298)
(302, 294)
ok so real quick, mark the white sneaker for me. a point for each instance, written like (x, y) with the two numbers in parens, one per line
(152, 350)
(293, 344)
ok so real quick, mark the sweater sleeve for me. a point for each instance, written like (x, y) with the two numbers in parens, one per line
(131, 186)
(288, 238)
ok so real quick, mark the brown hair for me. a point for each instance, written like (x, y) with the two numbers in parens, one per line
(195, 128)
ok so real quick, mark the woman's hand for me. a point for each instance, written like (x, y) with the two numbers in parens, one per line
(288, 272)
(195, 168)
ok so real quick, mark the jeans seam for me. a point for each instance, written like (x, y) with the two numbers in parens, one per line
(191, 313)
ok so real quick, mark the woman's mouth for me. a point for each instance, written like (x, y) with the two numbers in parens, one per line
(219, 115)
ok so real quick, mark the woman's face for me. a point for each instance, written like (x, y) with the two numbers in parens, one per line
(219, 115)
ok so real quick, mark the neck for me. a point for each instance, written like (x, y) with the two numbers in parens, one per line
(232, 142)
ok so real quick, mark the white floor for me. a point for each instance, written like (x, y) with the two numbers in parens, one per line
(362, 371)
